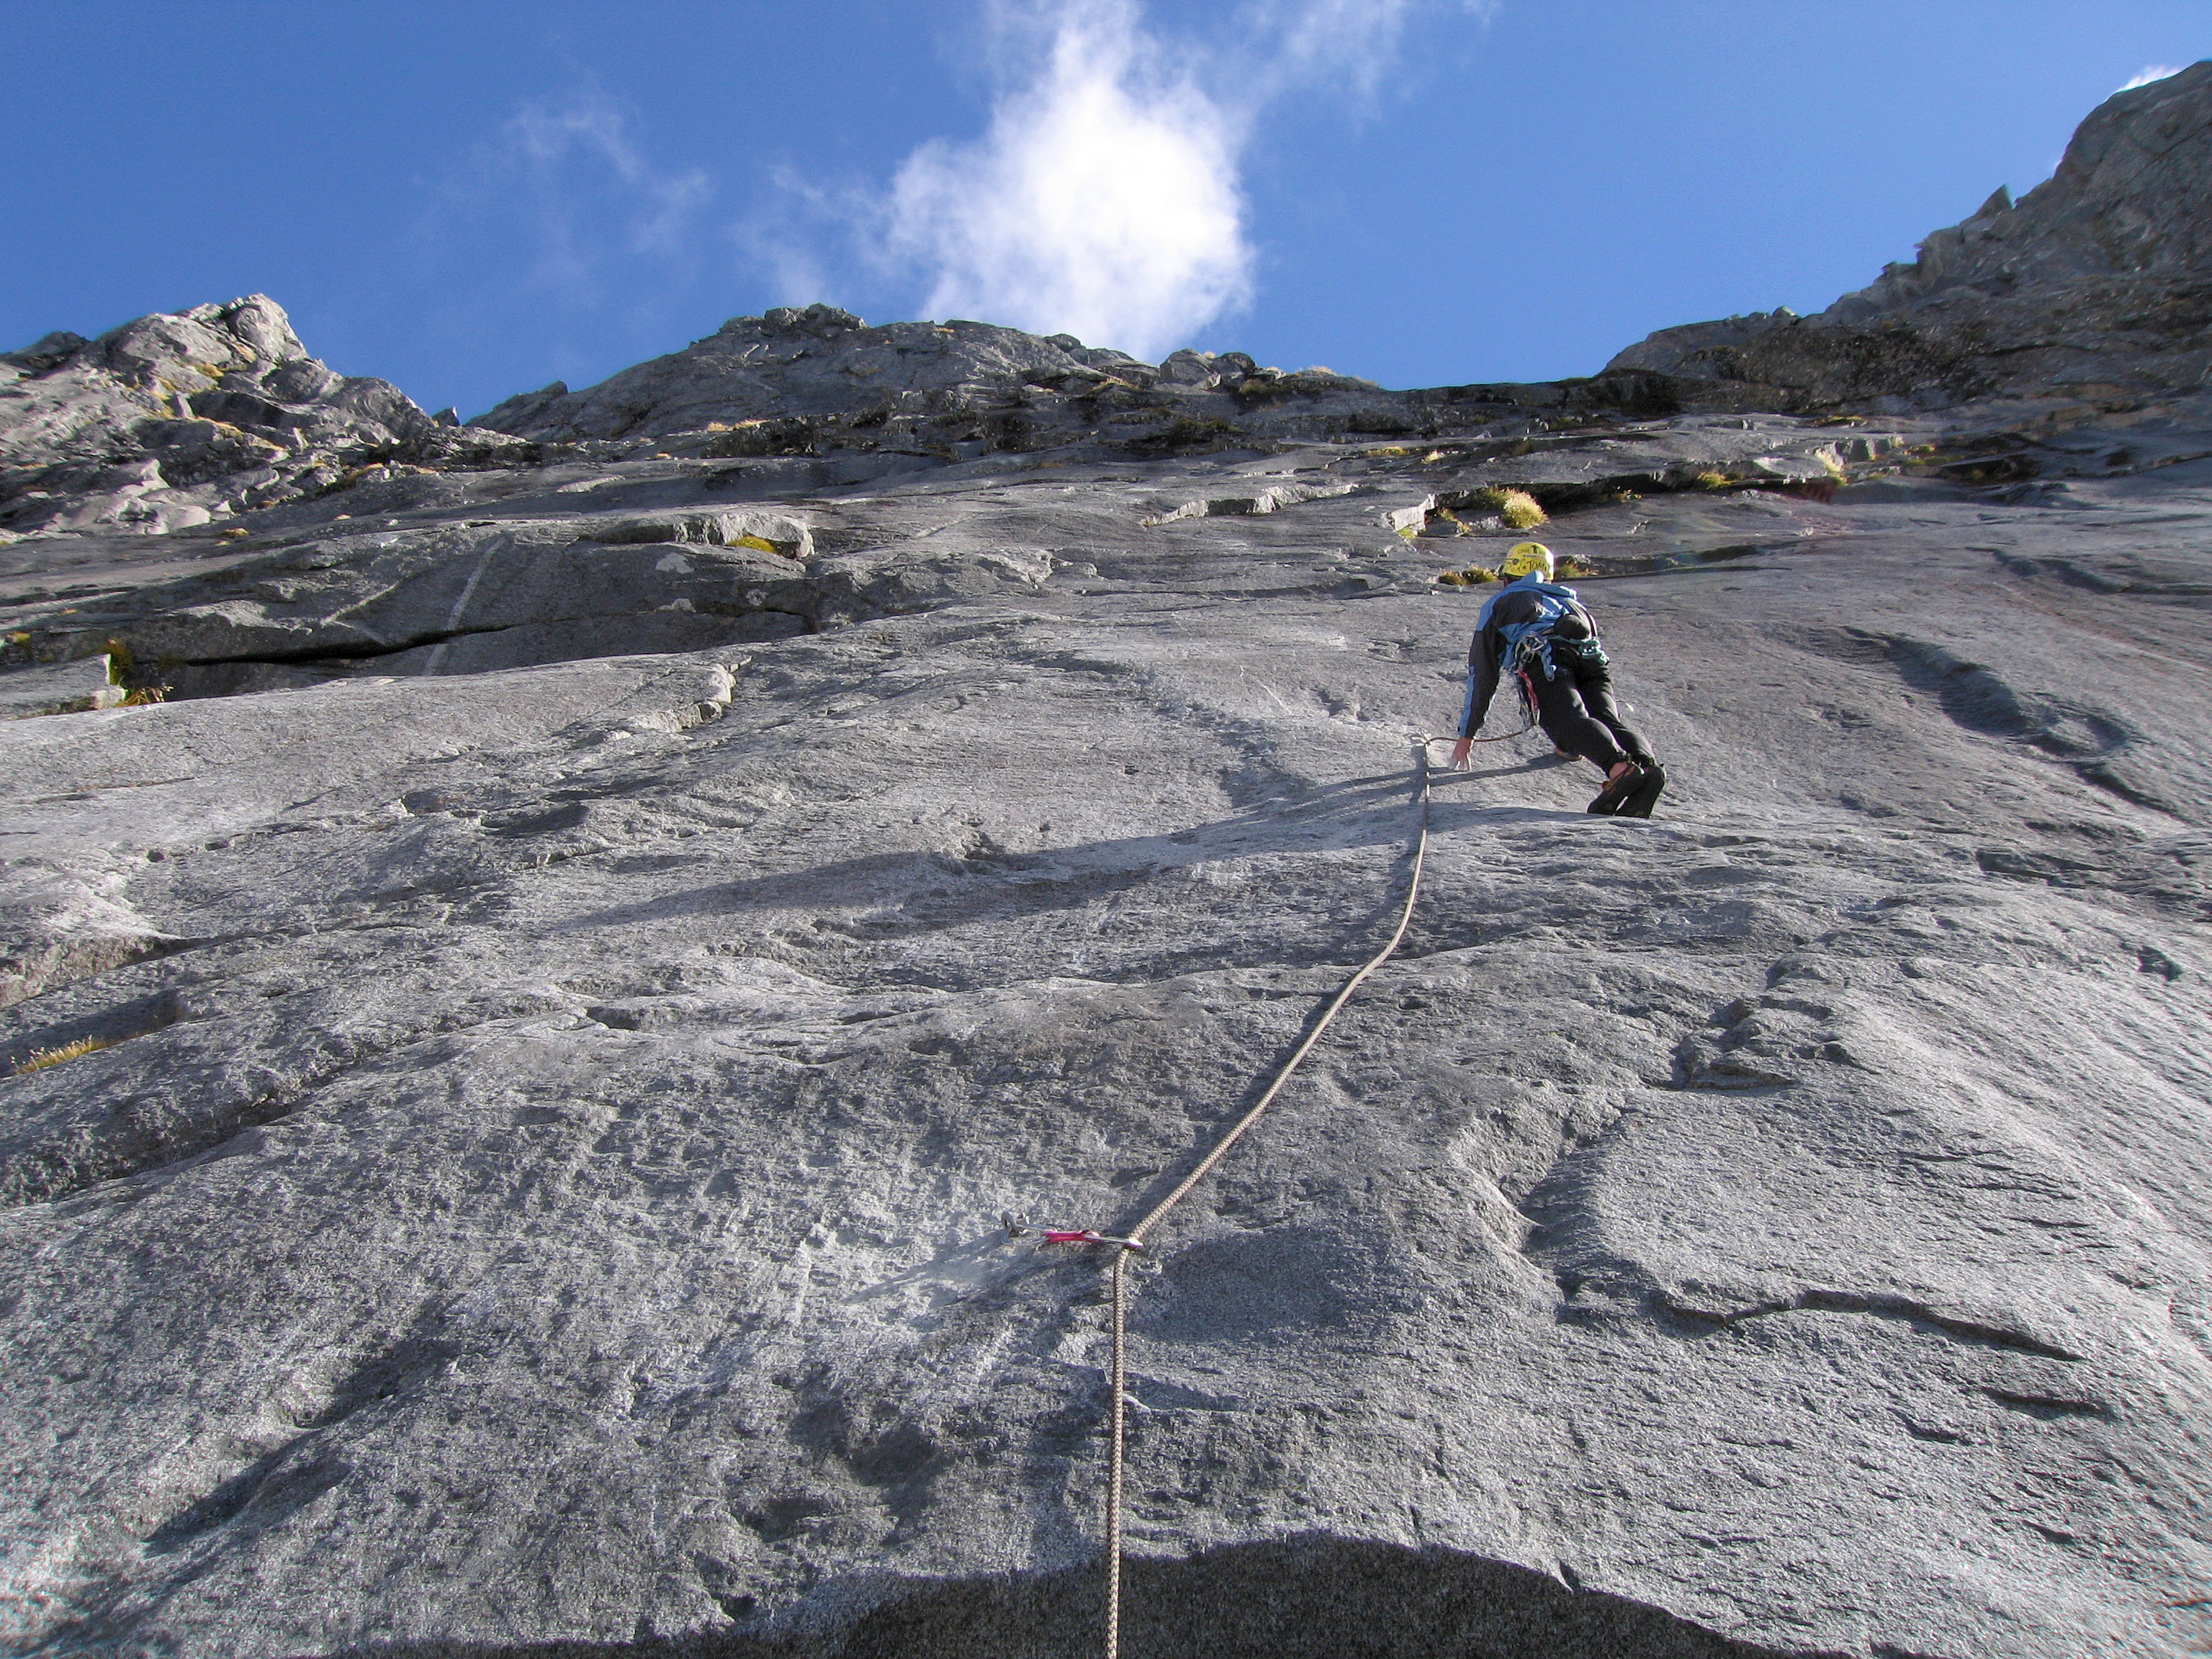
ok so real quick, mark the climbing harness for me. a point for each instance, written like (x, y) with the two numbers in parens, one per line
(1530, 642)
(1529, 647)
(1135, 1240)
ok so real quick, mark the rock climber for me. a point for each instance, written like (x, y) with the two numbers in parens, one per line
(1538, 631)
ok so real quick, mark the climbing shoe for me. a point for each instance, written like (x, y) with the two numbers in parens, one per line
(1616, 791)
(1646, 795)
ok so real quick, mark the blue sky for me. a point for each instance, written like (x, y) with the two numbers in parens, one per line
(474, 198)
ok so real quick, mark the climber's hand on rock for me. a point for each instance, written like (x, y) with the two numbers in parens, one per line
(1459, 761)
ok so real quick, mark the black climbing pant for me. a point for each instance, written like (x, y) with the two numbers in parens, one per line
(1575, 708)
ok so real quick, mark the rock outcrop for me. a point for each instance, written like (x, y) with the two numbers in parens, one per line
(818, 381)
(512, 1077)
(781, 370)
(2095, 287)
(172, 420)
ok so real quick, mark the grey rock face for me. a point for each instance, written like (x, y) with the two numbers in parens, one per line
(543, 1181)
(2094, 285)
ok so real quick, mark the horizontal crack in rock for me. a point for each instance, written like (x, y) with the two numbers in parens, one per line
(1880, 1306)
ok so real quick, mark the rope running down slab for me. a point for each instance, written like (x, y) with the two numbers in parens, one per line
(1135, 1239)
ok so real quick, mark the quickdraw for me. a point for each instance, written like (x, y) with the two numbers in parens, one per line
(1016, 1229)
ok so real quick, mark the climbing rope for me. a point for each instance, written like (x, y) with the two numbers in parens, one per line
(1134, 1240)
(1501, 737)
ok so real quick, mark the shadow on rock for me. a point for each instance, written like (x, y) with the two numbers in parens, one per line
(1306, 1598)
(925, 891)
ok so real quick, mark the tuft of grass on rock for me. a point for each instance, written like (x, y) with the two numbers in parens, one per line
(1712, 481)
(1572, 566)
(1516, 507)
(42, 1058)
(146, 696)
(1473, 576)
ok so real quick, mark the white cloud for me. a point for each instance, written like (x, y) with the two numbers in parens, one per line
(2154, 72)
(1105, 199)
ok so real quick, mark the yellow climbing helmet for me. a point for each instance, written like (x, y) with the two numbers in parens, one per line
(1529, 558)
